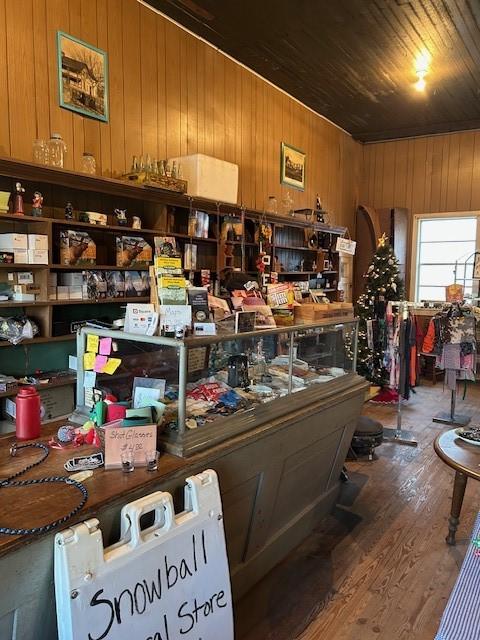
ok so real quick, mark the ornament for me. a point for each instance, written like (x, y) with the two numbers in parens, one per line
(136, 222)
(69, 211)
(18, 199)
(66, 433)
(382, 241)
(121, 216)
(37, 204)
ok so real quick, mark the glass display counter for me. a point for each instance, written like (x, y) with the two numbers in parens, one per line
(209, 389)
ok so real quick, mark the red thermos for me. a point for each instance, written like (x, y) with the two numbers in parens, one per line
(27, 418)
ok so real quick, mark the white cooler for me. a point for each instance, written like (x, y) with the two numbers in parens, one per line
(209, 177)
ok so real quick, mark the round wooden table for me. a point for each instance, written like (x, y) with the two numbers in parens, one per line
(464, 458)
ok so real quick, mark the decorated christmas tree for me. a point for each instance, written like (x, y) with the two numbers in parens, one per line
(382, 284)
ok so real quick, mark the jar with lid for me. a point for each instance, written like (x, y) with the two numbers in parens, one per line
(40, 152)
(89, 164)
(57, 150)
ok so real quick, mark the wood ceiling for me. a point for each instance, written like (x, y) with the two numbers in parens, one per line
(353, 60)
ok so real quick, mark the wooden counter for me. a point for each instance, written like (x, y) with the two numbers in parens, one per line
(277, 481)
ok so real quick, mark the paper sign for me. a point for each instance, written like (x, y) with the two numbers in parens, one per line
(346, 246)
(147, 396)
(92, 343)
(204, 328)
(105, 346)
(100, 362)
(175, 315)
(136, 439)
(89, 379)
(88, 361)
(112, 365)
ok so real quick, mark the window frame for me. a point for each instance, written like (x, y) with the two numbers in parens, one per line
(415, 266)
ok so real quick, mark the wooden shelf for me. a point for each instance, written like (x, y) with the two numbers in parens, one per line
(40, 340)
(296, 273)
(15, 303)
(102, 301)
(22, 267)
(60, 381)
(291, 248)
(95, 267)
(185, 236)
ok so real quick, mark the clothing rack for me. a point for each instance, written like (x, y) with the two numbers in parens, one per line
(452, 418)
(399, 435)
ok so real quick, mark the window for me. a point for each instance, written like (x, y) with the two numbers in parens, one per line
(442, 242)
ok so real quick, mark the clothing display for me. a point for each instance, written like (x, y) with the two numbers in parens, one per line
(451, 338)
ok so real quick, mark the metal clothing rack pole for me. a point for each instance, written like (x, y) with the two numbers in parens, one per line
(452, 418)
(398, 435)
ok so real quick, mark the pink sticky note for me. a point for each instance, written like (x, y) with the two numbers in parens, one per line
(100, 362)
(105, 346)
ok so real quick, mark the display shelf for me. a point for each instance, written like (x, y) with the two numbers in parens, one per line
(185, 236)
(94, 267)
(15, 303)
(292, 248)
(328, 271)
(40, 340)
(62, 381)
(296, 273)
(22, 266)
(56, 303)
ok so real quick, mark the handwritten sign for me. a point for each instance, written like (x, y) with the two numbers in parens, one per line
(92, 343)
(346, 246)
(138, 440)
(167, 582)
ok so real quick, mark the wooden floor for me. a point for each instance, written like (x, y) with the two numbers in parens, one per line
(378, 568)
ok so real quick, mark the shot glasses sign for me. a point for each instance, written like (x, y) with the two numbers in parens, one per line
(168, 582)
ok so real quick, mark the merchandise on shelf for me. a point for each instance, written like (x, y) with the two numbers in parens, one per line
(77, 248)
(133, 251)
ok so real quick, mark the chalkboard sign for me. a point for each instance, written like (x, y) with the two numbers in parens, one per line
(167, 582)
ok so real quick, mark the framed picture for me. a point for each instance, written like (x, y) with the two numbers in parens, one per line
(476, 266)
(292, 167)
(82, 77)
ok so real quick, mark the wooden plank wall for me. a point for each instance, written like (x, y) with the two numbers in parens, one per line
(170, 94)
(425, 175)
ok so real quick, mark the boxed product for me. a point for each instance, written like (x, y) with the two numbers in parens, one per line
(13, 241)
(190, 257)
(37, 256)
(137, 284)
(171, 289)
(75, 292)
(38, 241)
(26, 288)
(23, 297)
(72, 279)
(20, 277)
(52, 293)
(95, 285)
(96, 218)
(63, 293)
(52, 279)
(77, 248)
(115, 284)
(133, 251)
(7, 383)
(7, 257)
(209, 177)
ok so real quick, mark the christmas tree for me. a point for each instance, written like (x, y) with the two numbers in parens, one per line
(382, 284)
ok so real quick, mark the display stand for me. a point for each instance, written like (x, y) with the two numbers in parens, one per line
(452, 418)
(398, 435)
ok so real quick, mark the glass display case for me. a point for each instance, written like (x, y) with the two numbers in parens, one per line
(205, 390)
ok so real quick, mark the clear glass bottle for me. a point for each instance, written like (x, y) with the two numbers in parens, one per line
(89, 164)
(57, 150)
(40, 153)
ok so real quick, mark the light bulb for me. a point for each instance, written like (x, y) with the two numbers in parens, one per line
(420, 84)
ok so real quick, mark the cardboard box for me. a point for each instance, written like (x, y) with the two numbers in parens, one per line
(77, 248)
(52, 279)
(37, 241)
(23, 297)
(37, 256)
(63, 293)
(52, 293)
(96, 218)
(209, 177)
(26, 288)
(75, 279)
(13, 241)
(20, 277)
(75, 292)
(133, 251)
(20, 256)
(55, 402)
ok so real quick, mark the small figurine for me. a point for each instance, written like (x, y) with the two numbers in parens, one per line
(318, 203)
(161, 168)
(18, 199)
(83, 216)
(174, 169)
(121, 216)
(37, 204)
(69, 211)
(136, 222)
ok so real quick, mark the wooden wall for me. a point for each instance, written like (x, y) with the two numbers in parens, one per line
(170, 94)
(425, 175)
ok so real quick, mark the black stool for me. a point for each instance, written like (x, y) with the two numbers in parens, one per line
(368, 435)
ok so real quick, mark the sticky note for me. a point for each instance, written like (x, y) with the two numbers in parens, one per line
(112, 365)
(88, 361)
(89, 379)
(105, 346)
(100, 362)
(92, 343)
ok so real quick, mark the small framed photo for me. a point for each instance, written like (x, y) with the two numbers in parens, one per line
(292, 167)
(476, 265)
(82, 77)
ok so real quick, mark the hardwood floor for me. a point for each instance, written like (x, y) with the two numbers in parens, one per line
(378, 568)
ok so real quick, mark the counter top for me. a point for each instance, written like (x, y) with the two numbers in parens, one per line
(33, 506)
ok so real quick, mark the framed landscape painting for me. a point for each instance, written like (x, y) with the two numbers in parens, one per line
(82, 77)
(292, 167)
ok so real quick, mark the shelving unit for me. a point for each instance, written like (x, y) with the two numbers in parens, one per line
(163, 213)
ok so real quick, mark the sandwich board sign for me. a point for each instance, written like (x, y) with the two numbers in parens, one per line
(169, 581)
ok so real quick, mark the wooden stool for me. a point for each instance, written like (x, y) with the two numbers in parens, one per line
(428, 368)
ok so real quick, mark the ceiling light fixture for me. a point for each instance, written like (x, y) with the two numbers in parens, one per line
(422, 67)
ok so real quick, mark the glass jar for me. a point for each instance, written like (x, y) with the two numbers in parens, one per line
(57, 150)
(40, 152)
(89, 164)
(272, 204)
